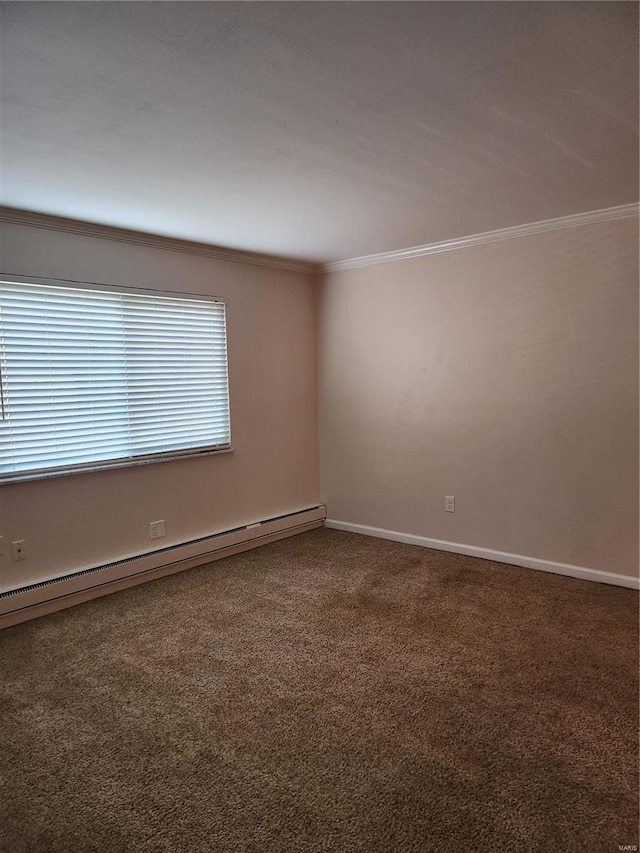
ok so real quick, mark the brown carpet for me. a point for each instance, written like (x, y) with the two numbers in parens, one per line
(330, 692)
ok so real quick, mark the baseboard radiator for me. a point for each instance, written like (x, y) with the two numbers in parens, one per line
(29, 602)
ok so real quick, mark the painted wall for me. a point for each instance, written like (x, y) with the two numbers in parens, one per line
(87, 519)
(504, 374)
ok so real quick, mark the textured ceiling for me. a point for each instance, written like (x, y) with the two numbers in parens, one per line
(318, 130)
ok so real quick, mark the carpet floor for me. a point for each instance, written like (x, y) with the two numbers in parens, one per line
(329, 692)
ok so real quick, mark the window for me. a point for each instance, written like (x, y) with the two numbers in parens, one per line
(95, 377)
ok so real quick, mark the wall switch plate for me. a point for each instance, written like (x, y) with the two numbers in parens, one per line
(449, 503)
(156, 529)
(17, 550)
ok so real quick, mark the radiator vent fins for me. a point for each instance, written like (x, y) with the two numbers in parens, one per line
(206, 545)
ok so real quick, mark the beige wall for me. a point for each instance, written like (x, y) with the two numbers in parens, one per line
(504, 374)
(85, 519)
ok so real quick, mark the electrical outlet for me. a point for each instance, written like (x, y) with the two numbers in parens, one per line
(17, 550)
(449, 503)
(156, 529)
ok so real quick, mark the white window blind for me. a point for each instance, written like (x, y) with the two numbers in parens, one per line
(94, 377)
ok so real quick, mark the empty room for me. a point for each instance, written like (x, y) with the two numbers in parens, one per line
(319, 429)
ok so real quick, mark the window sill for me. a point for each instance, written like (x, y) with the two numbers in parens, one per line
(110, 466)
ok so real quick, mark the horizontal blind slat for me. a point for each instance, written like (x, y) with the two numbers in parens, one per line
(92, 375)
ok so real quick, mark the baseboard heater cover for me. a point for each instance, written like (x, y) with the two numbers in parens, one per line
(33, 600)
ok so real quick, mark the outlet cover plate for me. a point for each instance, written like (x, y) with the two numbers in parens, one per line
(17, 550)
(156, 529)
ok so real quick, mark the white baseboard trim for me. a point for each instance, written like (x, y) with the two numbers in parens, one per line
(571, 571)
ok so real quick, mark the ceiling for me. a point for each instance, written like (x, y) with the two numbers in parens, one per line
(318, 130)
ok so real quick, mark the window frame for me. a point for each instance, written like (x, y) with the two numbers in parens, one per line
(130, 461)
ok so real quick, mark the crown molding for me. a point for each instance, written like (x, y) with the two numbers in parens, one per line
(16, 216)
(608, 214)
(122, 235)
